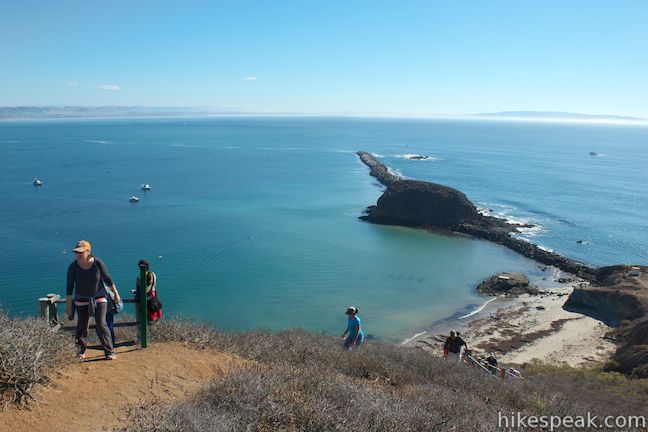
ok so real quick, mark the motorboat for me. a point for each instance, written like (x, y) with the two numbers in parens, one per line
(133, 199)
(38, 182)
(146, 187)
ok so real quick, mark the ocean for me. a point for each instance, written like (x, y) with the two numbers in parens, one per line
(253, 222)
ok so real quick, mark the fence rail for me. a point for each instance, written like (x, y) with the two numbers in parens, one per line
(48, 311)
(494, 371)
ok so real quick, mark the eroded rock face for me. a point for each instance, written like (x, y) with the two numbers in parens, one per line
(507, 283)
(632, 357)
(619, 297)
(417, 204)
(608, 305)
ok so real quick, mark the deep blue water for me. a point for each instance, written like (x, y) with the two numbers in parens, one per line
(255, 220)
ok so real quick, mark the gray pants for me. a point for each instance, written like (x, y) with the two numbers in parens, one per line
(102, 327)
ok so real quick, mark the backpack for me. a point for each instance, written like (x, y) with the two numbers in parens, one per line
(153, 303)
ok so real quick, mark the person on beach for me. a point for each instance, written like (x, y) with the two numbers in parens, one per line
(452, 346)
(154, 307)
(354, 330)
(86, 277)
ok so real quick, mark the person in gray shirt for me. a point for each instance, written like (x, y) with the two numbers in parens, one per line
(87, 282)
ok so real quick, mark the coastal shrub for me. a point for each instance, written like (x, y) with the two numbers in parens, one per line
(606, 392)
(306, 398)
(29, 352)
(377, 362)
(305, 381)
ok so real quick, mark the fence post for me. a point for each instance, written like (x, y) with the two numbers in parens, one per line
(143, 315)
(53, 311)
(43, 309)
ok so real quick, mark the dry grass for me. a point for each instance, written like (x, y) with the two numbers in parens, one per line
(29, 351)
(305, 382)
(607, 392)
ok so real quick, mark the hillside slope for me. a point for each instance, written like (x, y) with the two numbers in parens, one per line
(95, 394)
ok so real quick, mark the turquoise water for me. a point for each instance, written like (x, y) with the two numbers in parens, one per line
(255, 220)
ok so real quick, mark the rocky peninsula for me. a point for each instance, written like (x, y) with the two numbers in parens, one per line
(421, 204)
(614, 295)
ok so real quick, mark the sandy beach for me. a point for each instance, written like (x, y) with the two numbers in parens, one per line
(528, 327)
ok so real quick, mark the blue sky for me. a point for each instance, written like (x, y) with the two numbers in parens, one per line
(339, 57)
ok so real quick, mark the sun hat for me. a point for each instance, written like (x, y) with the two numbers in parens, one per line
(351, 310)
(82, 246)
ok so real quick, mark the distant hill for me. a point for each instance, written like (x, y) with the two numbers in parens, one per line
(40, 112)
(556, 115)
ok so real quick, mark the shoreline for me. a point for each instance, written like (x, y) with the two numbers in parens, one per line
(517, 329)
(522, 329)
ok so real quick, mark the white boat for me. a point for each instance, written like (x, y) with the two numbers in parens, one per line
(133, 199)
(146, 187)
(37, 182)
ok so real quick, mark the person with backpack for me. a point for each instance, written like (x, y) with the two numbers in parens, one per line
(153, 304)
(452, 347)
(87, 284)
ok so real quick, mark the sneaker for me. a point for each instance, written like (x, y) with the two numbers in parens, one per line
(80, 356)
(111, 357)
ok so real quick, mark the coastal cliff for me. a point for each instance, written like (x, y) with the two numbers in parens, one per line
(433, 206)
(619, 297)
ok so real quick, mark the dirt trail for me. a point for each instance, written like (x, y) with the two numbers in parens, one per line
(92, 395)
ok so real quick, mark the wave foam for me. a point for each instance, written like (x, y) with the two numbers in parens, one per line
(479, 309)
(408, 340)
(97, 141)
(415, 157)
(507, 212)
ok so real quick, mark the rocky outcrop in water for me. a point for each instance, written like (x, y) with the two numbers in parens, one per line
(416, 203)
(437, 207)
(512, 284)
(378, 169)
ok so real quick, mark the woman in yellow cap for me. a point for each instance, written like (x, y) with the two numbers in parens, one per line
(88, 279)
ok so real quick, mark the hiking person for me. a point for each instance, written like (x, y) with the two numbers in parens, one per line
(87, 284)
(354, 330)
(447, 343)
(153, 304)
(492, 363)
(452, 346)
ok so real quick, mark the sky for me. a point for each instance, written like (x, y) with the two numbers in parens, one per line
(329, 57)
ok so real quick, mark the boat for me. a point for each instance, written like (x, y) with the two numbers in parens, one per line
(146, 187)
(38, 182)
(133, 199)
(592, 153)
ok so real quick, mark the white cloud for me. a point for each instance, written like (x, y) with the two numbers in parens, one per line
(110, 87)
(72, 83)
(250, 78)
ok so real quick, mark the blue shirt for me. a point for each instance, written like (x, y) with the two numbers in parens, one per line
(352, 325)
